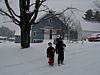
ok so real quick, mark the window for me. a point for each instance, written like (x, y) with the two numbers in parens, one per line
(50, 20)
(34, 33)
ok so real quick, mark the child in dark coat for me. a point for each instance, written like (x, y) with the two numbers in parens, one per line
(60, 51)
(50, 54)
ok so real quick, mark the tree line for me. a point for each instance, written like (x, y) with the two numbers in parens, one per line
(91, 15)
(6, 32)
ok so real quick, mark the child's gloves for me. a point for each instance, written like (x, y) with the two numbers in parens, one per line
(64, 45)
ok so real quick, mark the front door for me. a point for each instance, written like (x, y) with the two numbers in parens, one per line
(50, 34)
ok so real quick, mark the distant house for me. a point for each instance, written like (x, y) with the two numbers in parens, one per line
(12, 39)
(17, 37)
(89, 28)
(49, 27)
(85, 28)
(2, 39)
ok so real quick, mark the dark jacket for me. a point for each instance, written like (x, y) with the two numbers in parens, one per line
(50, 52)
(60, 47)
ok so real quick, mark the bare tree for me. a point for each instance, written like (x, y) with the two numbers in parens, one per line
(68, 21)
(97, 3)
(25, 19)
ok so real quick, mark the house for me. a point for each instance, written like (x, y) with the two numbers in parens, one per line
(2, 39)
(89, 28)
(85, 28)
(49, 27)
(17, 36)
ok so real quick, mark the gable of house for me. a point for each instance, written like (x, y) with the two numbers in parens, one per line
(50, 20)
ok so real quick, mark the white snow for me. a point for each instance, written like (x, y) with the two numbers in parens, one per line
(80, 59)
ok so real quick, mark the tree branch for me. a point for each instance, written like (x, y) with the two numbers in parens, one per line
(97, 3)
(46, 8)
(5, 13)
(32, 4)
(53, 15)
(12, 13)
(34, 14)
(10, 9)
(27, 4)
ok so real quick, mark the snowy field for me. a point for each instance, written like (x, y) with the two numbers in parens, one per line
(80, 59)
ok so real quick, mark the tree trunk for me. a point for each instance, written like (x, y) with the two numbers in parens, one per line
(25, 36)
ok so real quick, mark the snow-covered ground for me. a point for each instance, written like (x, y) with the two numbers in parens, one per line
(80, 59)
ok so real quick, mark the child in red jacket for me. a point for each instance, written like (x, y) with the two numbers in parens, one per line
(50, 54)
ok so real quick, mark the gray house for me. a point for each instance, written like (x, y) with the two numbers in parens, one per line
(49, 27)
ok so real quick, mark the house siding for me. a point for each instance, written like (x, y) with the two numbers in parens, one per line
(39, 33)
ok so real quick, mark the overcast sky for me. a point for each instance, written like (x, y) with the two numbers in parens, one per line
(56, 5)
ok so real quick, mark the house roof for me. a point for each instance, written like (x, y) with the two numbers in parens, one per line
(51, 13)
(44, 21)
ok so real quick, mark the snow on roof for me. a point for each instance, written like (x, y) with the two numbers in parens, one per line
(89, 26)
